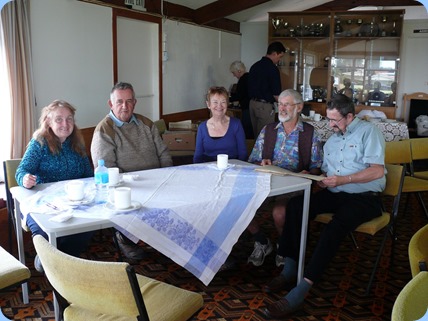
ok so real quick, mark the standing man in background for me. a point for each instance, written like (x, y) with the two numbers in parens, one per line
(264, 87)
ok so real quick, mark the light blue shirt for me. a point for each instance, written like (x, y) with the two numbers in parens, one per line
(361, 145)
(120, 123)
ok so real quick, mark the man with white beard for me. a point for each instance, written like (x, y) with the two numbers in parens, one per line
(290, 144)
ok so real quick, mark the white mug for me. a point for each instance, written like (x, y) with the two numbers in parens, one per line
(312, 113)
(113, 176)
(75, 190)
(222, 160)
(317, 117)
(122, 198)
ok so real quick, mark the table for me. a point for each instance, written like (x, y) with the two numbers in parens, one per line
(392, 131)
(196, 229)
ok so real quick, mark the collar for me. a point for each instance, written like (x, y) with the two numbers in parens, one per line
(120, 123)
(299, 125)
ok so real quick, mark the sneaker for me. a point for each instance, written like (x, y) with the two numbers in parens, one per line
(260, 252)
(129, 249)
(279, 260)
(38, 265)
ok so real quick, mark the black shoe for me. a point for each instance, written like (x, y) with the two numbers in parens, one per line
(129, 249)
(279, 283)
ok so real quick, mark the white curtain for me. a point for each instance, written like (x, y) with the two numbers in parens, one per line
(17, 101)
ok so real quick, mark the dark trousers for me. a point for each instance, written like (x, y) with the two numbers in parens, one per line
(350, 210)
(71, 244)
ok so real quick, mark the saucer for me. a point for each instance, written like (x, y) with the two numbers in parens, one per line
(85, 200)
(117, 184)
(134, 206)
(223, 169)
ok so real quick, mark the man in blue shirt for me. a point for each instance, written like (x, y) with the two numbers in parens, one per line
(264, 86)
(354, 168)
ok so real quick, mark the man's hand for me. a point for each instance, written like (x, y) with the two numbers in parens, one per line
(266, 162)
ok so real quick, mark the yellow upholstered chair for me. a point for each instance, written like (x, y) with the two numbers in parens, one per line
(420, 152)
(385, 222)
(400, 153)
(12, 272)
(161, 125)
(418, 251)
(95, 290)
(412, 301)
(9, 167)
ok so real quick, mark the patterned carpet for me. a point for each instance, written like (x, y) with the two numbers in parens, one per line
(236, 294)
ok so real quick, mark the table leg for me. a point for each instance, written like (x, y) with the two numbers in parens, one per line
(21, 252)
(303, 235)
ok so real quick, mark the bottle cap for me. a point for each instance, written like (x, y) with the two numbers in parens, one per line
(101, 162)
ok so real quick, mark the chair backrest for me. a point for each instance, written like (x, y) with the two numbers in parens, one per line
(418, 251)
(419, 107)
(398, 152)
(9, 167)
(394, 185)
(412, 301)
(419, 148)
(100, 287)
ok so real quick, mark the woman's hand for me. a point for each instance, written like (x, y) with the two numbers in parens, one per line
(29, 180)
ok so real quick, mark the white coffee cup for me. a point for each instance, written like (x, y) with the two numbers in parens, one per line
(113, 176)
(312, 113)
(317, 117)
(75, 190)
(122, 198)
(222, 161)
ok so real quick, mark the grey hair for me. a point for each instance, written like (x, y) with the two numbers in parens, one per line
(122, 86)
(237, 66)
(293, 93)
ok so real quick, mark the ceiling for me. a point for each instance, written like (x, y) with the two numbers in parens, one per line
(228, 14)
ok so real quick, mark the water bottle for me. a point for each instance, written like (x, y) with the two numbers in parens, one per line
(101, 182)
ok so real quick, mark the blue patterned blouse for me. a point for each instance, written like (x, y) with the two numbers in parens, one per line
(38, 160)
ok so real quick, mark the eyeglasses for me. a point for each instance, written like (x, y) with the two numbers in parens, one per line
(336, 122)
(286, 105)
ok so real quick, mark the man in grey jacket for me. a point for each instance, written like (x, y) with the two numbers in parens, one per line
(130, 142)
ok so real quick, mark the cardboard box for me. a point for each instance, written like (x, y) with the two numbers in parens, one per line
(180, 140)
(185, 125)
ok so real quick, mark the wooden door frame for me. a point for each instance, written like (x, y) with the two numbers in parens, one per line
(122, 13)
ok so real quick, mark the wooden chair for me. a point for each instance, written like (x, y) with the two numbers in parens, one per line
(414, 111)
(419, 152)
(93, 290)
(400, 153)
(385, 222)
(412, 301)
(12, 273)
(418, 251)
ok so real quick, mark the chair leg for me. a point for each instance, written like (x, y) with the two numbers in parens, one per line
(372, 276)
(11, 229)
(421, 201)
(354, 241)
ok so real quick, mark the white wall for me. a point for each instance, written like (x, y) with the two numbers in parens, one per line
(72, 56)
(197, 59)
(73, 60)
(414, 62)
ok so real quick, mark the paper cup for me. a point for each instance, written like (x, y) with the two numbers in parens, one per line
(113, 176)
(222, 161)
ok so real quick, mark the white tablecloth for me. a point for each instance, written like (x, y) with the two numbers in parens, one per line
(193, 214)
